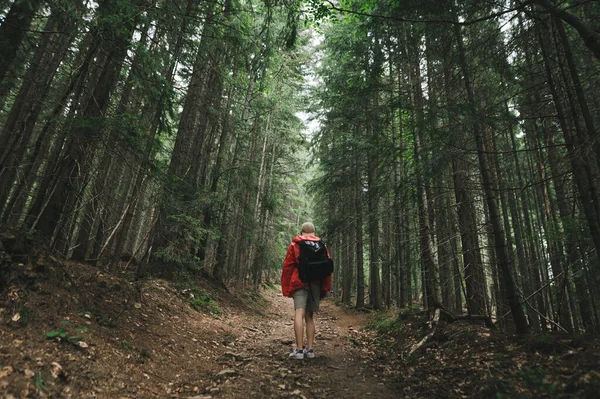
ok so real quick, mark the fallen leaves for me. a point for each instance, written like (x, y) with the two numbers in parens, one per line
(57, 370)
(6, 371)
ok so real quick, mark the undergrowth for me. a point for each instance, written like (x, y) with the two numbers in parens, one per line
(199, 298)
(255, 299)
(388, 328)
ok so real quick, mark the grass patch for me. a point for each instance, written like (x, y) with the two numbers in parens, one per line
(267, 285)
(385, 324)
(536, 379)
(200, 299)
(25, 313)
(255, 299)
(387, 327)
(40, 382)
(125, 345)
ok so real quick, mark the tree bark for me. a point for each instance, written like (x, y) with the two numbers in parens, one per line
(490, 197)
(13, 30)
(590, 38)
(360, 272)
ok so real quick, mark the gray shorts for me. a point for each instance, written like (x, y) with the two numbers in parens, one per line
(303, 298)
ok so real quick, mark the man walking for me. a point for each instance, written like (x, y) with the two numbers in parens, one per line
(306, 292)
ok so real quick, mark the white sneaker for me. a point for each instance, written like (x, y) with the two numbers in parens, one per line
(297, 354)
(309, 353)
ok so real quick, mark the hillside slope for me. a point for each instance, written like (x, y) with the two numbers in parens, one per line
(72, 331)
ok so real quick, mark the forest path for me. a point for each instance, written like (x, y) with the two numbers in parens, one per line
(337, 371)
(151, 344)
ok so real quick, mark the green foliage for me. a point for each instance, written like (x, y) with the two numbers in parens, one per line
(269, 285)
(200, 299)
(145, 354)
(255, 298)
(384, 324)
(25, 313)
(57, 334)
(535, 378)
(125, 345)
(62, 334)
(206, 303)
(106, 321)
(39, 380)
(388, 328)
(318, 11)
(185, 232)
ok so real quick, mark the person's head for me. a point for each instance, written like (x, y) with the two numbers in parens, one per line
(307, 229)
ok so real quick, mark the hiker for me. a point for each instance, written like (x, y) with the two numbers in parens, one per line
(306, 281)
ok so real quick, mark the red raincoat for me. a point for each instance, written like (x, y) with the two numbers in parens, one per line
(290, 280)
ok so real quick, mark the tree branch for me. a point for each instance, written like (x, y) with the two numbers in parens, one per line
(333, 7)
(590, 38)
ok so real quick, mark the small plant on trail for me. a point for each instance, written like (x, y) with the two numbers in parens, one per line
(144, 354)
(125, 345)
(107, 321)
(63, 335)
(267, 285)
(25, 313)
(40, 382)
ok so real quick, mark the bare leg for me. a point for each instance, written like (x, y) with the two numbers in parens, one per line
(299, 326)
(310, 329)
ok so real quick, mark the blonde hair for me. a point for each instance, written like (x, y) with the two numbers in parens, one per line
(308, 227)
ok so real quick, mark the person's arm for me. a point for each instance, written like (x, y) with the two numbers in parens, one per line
(288, 268)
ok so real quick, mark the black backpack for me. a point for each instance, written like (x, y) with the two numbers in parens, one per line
(313, 263)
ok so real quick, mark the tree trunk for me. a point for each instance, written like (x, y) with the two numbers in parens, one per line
(590, 38)
(73, 177)
(579, 176)
(19, 126)
(360, 272)
(13, 30)
(490, 197)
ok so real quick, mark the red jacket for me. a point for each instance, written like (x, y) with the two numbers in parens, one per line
(290, 280)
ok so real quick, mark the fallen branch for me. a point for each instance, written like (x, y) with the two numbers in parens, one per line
(486, 319)
(434, 323)
(450, 318)
(550, 281)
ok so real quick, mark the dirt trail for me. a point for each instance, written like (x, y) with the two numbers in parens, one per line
(338, 370)
(151, 344)
(71, 331)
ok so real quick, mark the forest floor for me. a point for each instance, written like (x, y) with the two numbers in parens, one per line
(69, 330)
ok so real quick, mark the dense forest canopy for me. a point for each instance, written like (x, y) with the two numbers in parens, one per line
(456, 162)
